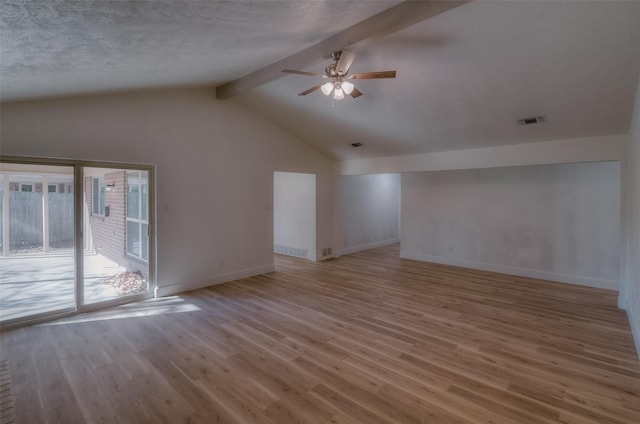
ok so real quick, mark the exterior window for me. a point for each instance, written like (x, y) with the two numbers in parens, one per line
(26, 187)
(98, 196)
(138, 214)
(52, 188)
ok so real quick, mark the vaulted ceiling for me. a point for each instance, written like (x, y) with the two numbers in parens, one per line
(464, 77)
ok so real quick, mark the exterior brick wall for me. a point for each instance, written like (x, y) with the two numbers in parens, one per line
(109, 232)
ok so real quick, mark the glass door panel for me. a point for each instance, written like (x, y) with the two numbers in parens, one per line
(116, 242)
(37, 262)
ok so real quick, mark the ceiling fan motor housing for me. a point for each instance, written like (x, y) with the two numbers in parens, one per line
(331, 71)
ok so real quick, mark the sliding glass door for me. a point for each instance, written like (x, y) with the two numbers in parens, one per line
(75, 236)
(37, 266)
(116, 233)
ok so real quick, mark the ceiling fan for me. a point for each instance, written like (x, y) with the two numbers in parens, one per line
(338, 75)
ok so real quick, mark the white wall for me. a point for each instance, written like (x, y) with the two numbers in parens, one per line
(630, 290)
(368, 211)
(557, 222)
(214, 161)
(294, 214)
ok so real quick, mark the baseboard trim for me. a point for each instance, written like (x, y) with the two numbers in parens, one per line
(634, 323)
(213, 280)
(622, 302)
(522, 272)
(367, 246)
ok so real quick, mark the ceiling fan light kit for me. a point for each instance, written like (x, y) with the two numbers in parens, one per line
(327, 88)
(347, 87)
(338, 74)
(338, 88)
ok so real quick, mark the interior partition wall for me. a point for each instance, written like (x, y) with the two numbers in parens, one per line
(76, 236)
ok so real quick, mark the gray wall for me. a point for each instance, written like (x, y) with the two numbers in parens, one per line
(368, 211)
(558, 222)
(214, 181)
(630, 290)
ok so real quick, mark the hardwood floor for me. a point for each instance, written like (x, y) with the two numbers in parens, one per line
(367, 338)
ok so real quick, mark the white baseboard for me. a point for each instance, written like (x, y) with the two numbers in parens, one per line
(213, 280)
(622, 302)
(522, 272)
(634, 323)
(367, 246)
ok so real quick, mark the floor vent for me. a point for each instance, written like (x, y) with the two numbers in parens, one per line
(6, 399)
(290, 251)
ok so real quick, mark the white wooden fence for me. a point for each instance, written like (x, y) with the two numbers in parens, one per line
(25, 220)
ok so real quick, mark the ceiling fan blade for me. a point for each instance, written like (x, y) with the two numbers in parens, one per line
(373, 75)
(311, 74)
(356, 93)
(310, 90)
(345, 61)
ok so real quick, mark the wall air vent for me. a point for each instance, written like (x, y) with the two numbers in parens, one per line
(534, 120)
(356, 144)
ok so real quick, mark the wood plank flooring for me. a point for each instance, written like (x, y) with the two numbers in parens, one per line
(367, 338)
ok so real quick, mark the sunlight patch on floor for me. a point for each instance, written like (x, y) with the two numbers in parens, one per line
(162, 306)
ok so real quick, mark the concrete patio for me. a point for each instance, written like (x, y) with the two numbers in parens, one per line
(36, 283)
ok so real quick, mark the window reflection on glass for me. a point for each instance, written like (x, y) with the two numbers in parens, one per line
(98, 196)
(133, 238)
(137, 214)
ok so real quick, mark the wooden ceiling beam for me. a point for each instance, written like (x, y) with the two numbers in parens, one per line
(387, 22)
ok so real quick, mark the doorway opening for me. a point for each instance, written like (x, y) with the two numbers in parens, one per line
(294, 214)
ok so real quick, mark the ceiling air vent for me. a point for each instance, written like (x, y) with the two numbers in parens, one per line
(534, 120)
(356, 144)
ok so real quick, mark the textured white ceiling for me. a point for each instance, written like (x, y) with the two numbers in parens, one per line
(54, 47)
(464, 77)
